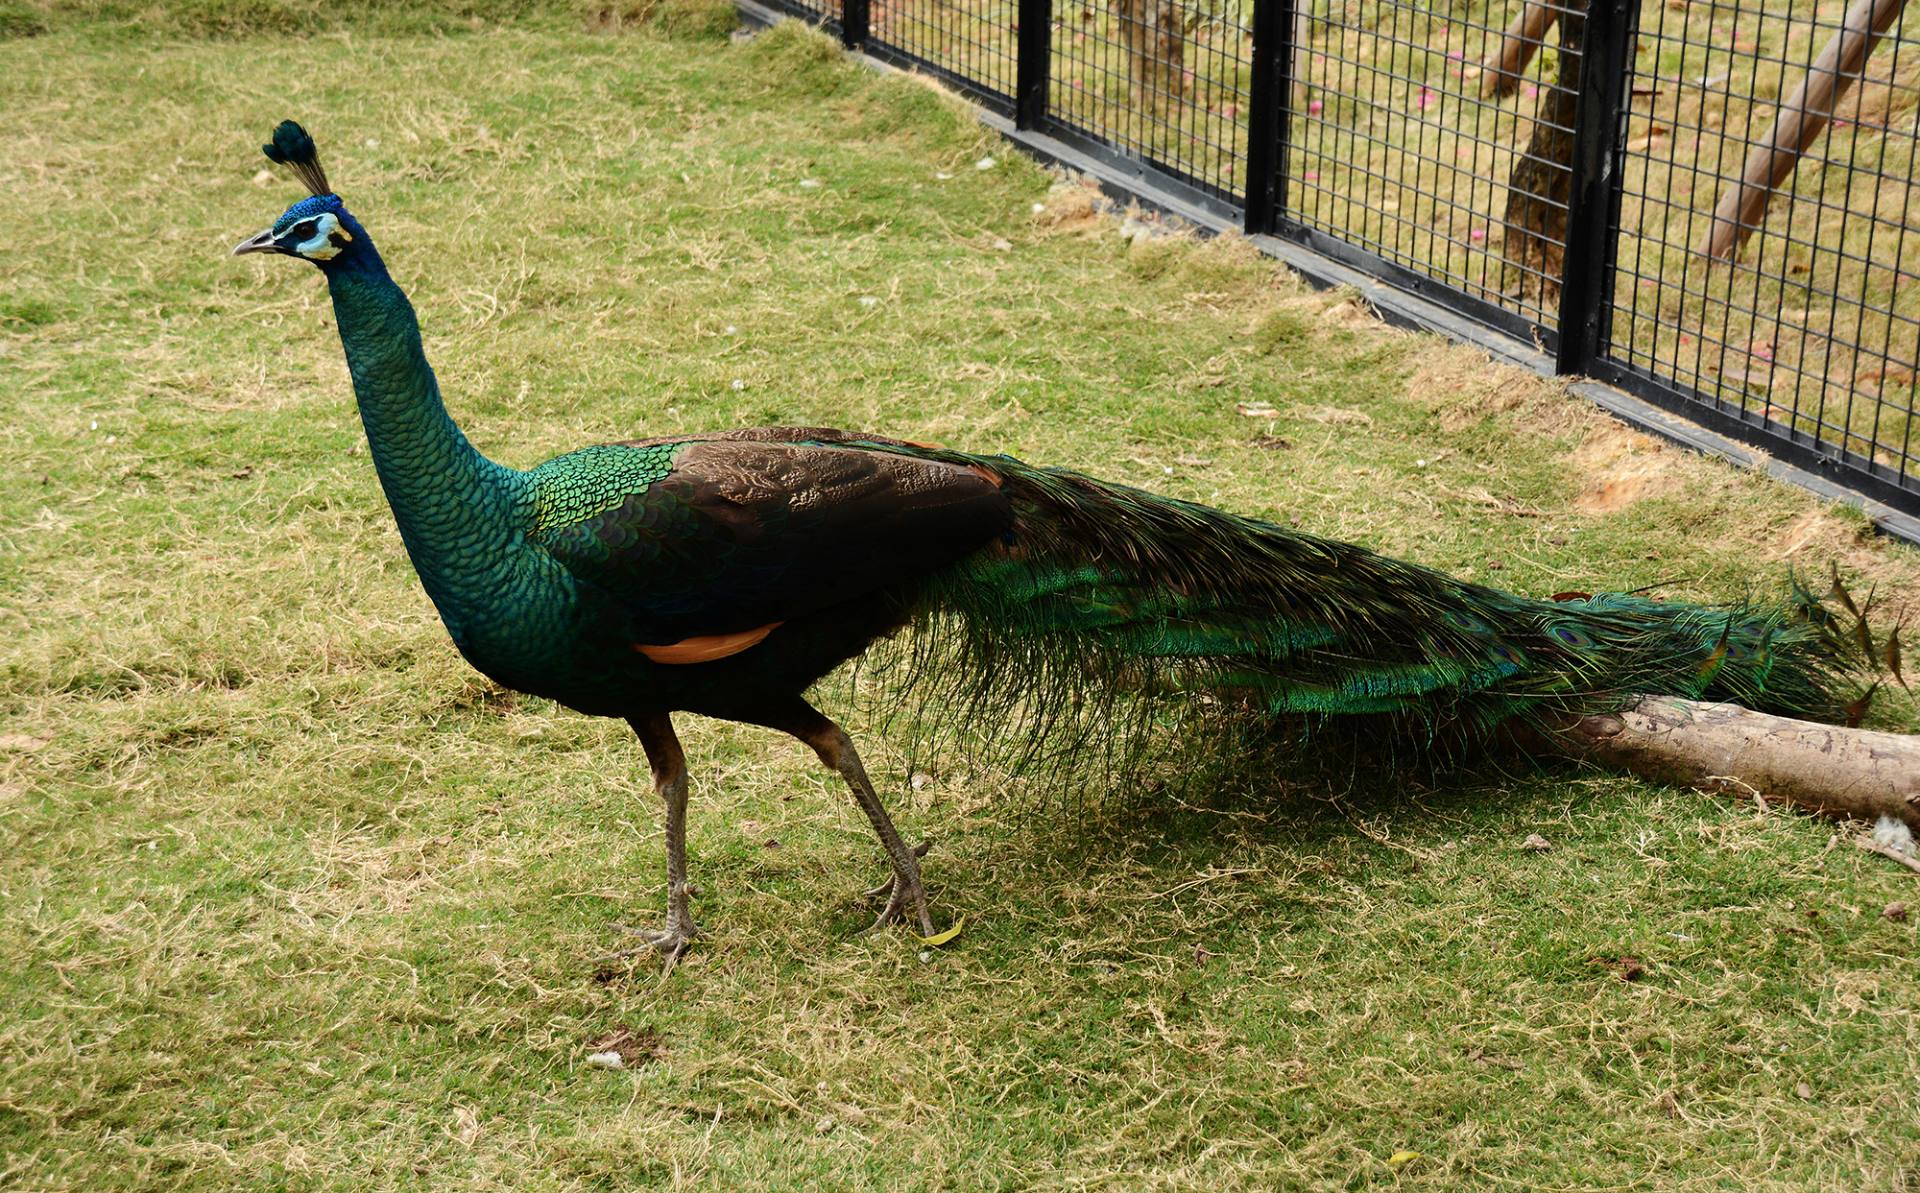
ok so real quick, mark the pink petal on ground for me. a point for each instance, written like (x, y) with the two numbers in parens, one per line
(1477, 234)
(1763, 350)
(1532, 90)
(1311, 176)
(1314, 107)
(1229, 111)
(1426, 98)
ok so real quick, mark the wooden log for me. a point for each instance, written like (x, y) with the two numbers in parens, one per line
(1730, 750)
(1503, 67)
(1743, 206)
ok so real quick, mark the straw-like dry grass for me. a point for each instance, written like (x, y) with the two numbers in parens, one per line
(293, 900)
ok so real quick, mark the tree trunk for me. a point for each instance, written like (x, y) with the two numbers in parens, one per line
(1541, 187)
(1156, 37)
(1733, 751)
(1743, 206)
(1502, 69)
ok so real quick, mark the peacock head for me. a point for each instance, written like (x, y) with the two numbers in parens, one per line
(319, 227)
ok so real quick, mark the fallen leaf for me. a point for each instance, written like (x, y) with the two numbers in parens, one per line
(1627, 969)
(1895, 911)
(1257, 410)
(628, 1046)
(1536, 843)
(466, 1125)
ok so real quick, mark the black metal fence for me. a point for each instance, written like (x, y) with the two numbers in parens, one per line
(1705, 203)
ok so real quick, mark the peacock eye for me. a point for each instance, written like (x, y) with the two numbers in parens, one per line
(305, 229)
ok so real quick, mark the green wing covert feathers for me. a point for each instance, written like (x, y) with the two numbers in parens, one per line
(724, 574)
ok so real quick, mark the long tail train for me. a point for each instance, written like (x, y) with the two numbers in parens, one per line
(1100, 587)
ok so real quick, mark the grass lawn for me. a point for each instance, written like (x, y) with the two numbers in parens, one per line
(293, 899)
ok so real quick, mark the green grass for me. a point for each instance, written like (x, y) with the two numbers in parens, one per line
(293, 900)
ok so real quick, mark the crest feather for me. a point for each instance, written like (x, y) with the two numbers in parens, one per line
(293, 148)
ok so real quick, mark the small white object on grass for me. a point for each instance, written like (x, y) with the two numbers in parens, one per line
(606, 1060)
(811, 184)
(738, 384)
(868, 300)
(944, 177)
(1038, 208)
(985, 163)
(1894, 834)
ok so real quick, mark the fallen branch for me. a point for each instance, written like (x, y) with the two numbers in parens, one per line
(1726, 749)
(1743, 206)
(1887, 851)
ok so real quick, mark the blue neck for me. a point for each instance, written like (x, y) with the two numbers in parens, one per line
(456, 509)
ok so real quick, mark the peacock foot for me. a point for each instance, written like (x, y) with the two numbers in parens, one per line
(669, 942)
(904, 894)
(885, 889)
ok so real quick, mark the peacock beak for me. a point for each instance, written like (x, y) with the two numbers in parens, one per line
(263, 243)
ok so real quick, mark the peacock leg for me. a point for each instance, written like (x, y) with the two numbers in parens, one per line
(669, 764)
(905, 891)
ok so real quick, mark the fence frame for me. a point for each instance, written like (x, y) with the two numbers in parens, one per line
(1577, 348)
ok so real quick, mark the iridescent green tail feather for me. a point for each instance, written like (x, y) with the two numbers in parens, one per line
(1102, 589)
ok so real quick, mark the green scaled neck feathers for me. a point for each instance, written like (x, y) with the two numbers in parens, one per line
(455, 508)
(458, 512)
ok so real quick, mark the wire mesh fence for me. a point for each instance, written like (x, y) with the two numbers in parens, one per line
(974, 42)
(1397, 151)
(1811, 327)
(1161, 80)
(1706, 202)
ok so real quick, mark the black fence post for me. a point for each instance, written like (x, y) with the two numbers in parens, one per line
(1269, 113)
(853, 23)
(1593, 199)
(1034, 64)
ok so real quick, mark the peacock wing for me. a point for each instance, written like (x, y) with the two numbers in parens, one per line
(735, 535)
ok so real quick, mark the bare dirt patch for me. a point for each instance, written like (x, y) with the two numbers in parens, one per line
(1621, 466)
(1465, 385)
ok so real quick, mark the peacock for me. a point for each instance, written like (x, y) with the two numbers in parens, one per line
(724, 574)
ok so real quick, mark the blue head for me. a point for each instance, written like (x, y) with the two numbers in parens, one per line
(319, 227)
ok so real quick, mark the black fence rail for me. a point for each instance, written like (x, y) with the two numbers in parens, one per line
(1706, 204)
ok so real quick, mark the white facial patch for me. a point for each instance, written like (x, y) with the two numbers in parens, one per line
(321, 247)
